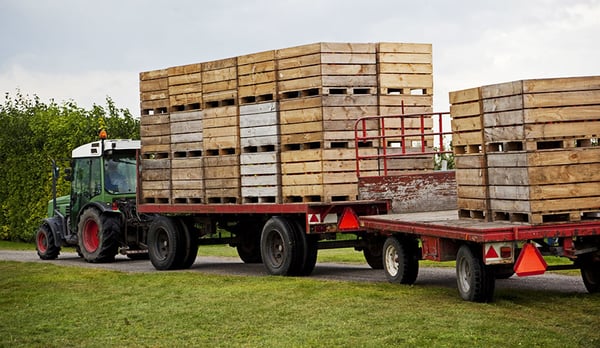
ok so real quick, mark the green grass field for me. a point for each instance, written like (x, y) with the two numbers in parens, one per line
(43, 305)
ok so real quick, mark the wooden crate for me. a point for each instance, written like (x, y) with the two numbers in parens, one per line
(154, 92)
(155, 182)
(260, 163)
(257, 78)
(185, 87)
(221, 130)
(537, 143)
(187, 180)
(222, 179)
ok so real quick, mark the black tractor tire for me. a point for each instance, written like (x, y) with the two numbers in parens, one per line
(190, 245)
(166, 244)
(279, 247)
(373, 252)
(45, 244)
(475, 281)
(400, 260)
(307, 251)
(590, 273)
(98, 236)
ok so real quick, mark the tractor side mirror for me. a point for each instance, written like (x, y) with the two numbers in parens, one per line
(68, 174)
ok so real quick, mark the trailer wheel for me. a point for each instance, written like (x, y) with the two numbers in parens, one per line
(590, 273)
(249, 248)
(165, 245)
(278, 246)
(400, 260)
(475, 281)
(190, 245)
(307, 251)
(44, 244)
(97, 236)
(373, 252)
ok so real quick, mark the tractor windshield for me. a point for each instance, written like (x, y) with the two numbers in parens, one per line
(120, 173)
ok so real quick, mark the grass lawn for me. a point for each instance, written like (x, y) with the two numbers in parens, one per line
(43, 305)
(52, 306)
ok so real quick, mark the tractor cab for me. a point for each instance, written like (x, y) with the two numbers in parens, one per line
(102, 172)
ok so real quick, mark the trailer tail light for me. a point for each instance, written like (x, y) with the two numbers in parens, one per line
(349, 220)
(530, 261)
(498, 253)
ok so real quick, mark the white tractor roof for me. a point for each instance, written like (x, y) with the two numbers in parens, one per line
(94, 149)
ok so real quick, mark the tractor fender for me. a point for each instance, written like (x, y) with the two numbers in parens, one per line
(57, 228)
(103, 208)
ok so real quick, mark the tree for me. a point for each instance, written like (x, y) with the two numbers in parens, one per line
(31, 134)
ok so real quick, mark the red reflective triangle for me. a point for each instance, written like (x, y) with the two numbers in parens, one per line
(530, 261)
(349, 220)
(491, 254)
(314, 218)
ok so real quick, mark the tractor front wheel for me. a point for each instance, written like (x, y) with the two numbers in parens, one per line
(44, 244)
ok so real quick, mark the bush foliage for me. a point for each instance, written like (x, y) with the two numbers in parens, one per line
(32, 133)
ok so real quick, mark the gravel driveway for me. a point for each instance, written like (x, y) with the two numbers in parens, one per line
(428, 276)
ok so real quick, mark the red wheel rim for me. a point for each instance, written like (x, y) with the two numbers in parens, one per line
(42, 242)
(90, 236)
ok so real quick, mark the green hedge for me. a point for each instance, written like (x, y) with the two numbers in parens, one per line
(32, 133)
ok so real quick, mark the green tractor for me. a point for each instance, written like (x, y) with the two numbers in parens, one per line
(99, 217)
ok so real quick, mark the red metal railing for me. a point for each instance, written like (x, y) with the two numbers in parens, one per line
(383, 133)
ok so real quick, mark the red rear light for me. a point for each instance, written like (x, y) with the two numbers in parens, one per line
(505, 252)
(115, 205)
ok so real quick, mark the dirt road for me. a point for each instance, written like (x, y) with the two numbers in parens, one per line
(430, 276)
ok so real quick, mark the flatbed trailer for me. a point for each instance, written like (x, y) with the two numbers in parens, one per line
(284, 237)
(484, 251)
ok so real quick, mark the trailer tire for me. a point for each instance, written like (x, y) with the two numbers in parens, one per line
(475, 281)
(165, 244)
(45, 245)
(249, 248)
(373, 252)
(590, 273)
(190, 246)
(278, 246)
(307, 251)
(97, 236)
(400, 260)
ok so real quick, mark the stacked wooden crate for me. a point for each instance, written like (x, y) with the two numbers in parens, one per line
(185, 96)
(221, 139)
(405, 80)
(275, 126)
(259, 128)
(538, 156)
(155, 131)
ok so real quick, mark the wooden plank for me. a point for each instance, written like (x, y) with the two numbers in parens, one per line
(562, 130)
(259, 180)
(301, 128)
(259, 169)
(406, 80)
(262, 131)
(422, 58)
(154, 95)
(187, 174)
(189, 78)
(566, 204)
(333, 100)
(224, 112)
(348, 47)
(470, 177)
(267, 109)
(301, 167)
(470, 161)
(349, 69)
(405, 68)
(302, 138)
(584, 172)
(503, 103)
(570, 113)
(300, 116)
(561, 84)
(399, 47)
(502, 90)
(299, 103)
(348, 112)
(301, 155)
(575, 98)
(348, 177)
(194, 138)
(257, 78)
(264, 89)
(299, 84)
(148, 120)
(248, 59)
(179, 163)
(467, 138)
(295, 62)
(186, 88)
(186, 99)
(220, 122)
(503, 118)
(186, 127)
(509, 133)
(465, 124)
(407, 100)
(259, 67)
(219, 64)
(153, 74)
(218, 96)
(349, 80)
(187, 185)
(465, 191)
(465, 95)
(564, 156)
(154, 85)
(302, 179)
(184, 116)
(471, 204)
(298, 51)
(273, 140)
(345, 58)
(259, 120)
(221, 86)
(299, 73)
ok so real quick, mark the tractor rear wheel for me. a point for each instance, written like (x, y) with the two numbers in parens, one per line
(98, 236)
(44, 244)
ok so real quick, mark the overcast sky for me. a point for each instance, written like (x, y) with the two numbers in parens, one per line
(87, 50)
